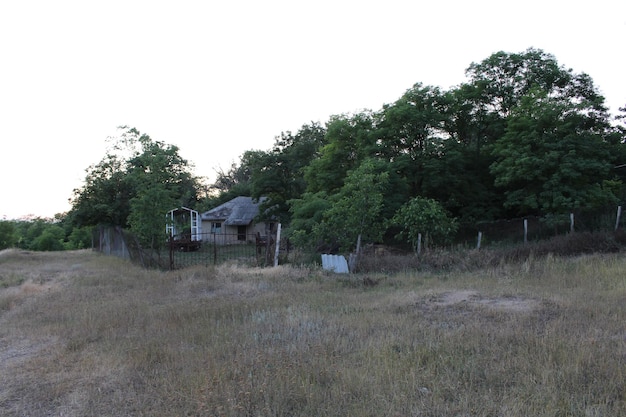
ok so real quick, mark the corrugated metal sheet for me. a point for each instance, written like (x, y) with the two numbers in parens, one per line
(335, 263)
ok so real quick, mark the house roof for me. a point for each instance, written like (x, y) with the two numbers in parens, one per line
(240, 211)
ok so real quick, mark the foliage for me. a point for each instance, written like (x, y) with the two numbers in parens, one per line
(134, 185)
(426, 217)
(51, 239)
(307, 212)
(523, 136)
(348, 141)
(105, 196)
(8, 236)
(356, 209)
(278, 174)
(554, 156)
(34, 234)
(80, 238)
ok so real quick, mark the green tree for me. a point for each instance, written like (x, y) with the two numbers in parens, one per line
(348, 141)
(8, 236)
(457, 174)
(230, 184)
(279, 173)
(39, 234)
(134, 185)
(105, 195)
(500, 81)
(555, 156)
(411, 134)
(306, 213)
(161, 181)
(50, 239)
(80, 238)
(426, 217)
(356, 209)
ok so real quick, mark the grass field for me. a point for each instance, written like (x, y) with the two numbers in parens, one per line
(86, 335)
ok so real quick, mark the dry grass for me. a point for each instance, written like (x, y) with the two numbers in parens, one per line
(86, 335)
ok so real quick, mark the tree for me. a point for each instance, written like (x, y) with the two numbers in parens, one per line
(555, 156)
(500, 81)
(348, 141)
(426, 217)
(356, 209)
(80, 238)
(134, 185)
(232, 183)
(39, 234)
(161, 181)
(306, 213)
(279, 173)
(411, 124)
(51, 239)
(410, 135)
(105, 196)
(8, 236)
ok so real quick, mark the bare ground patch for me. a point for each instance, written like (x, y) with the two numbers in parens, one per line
(465, 300)
(472, 298)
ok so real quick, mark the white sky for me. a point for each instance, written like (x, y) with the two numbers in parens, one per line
(219, 78)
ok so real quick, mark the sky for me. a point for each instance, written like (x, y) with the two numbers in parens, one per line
(219, 78)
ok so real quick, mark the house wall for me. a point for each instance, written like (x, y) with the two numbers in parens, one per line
(228, 235)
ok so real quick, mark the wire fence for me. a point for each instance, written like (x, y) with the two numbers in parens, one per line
(533, 229)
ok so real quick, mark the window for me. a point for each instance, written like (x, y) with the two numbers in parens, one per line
(241, 233)
(216, 227)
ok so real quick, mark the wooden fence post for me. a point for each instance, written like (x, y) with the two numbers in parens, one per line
(618, 218)
(480, 238)
(571, 222)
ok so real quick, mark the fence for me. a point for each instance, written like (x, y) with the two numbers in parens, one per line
(216, 248)
(531, 228)
(255, 250)
(115, 241)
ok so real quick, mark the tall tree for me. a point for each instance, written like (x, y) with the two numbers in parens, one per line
(348, 142)
(105, 195)
(555, 156)
(134, 185)
(278, 174)
(410, 132)
(501, 80)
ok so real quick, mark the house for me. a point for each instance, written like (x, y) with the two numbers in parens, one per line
(233, 222)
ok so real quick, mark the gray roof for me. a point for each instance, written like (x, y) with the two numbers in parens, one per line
(240, 211)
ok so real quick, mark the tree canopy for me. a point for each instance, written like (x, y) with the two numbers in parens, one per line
(522, 136)
(134, 185)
